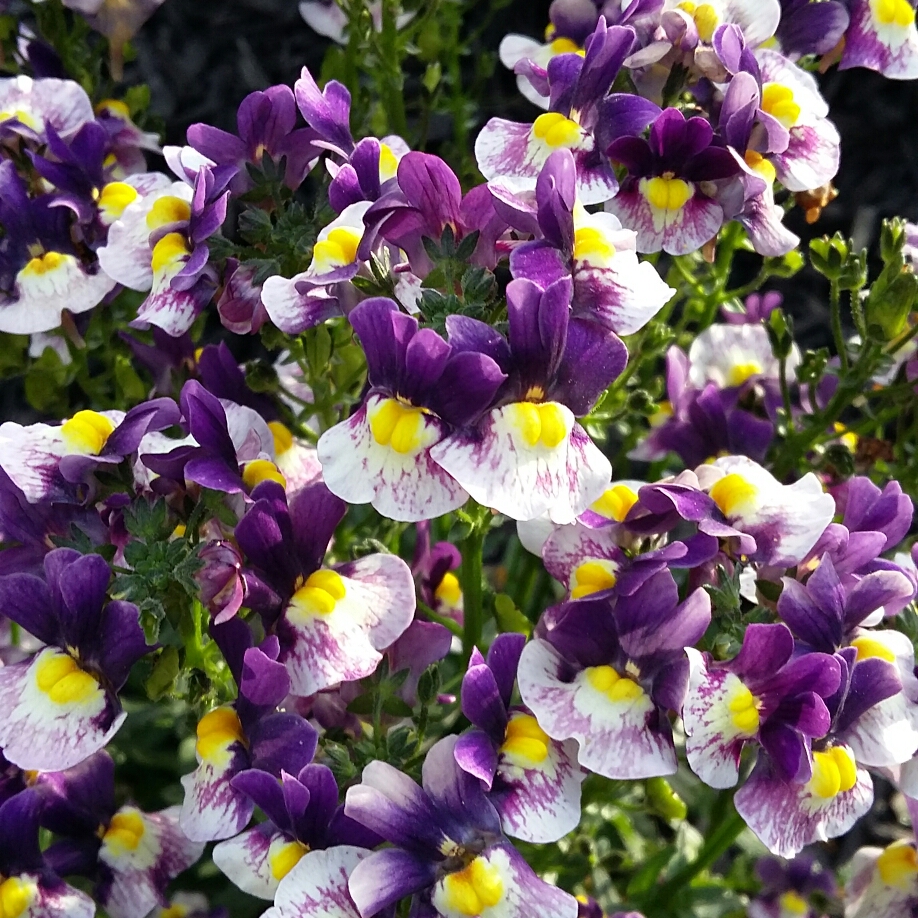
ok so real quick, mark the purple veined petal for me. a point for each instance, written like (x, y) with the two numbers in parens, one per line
(890, 49)
(619, 734)
(314, 514)
(326, 111)
(812, 672)
(766, 648)
(214, 809)
(877, 590)
(787, 816)
(454, 791)
(317, 887)
(425, 358)
(482, 703)
(341, 638)
(593, 358)
(538, 796)
(476, 753)
(264, 680)
(50, 726)
(812, 155)
(281, 742)
(257, 860)
(50, 896)
(520, 888)
(809, 621)
(540, 262)
(299, 303)
(407, 486)
(124, 642)
(715, 734)
(140, 874)
(502, 470)
(26, 600)
(503, 659)
(431, 186)
(389, 803)
(466, 388)
(467, 334)
(316, 820)
(676, 231)
(387, 876)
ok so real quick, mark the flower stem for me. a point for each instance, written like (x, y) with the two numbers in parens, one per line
(472, 593)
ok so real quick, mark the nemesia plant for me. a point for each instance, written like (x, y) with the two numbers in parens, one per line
(400, 526)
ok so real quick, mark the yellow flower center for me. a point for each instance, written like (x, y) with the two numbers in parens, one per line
(125, 831)
(398, 426)
(893, 12)
(704, 16)
(733, 494)
(474, 889)
(42, 264)
(898, 864)
(615, 687)
(556, 131)
(86, 432)
(565, 46)
(762, 166)
(666, 193)
(591, 245)
(868, 647)
(448, 590)
(338, 249)
(615, 503)
(778, 101)
(283, 438)
(23, 117)
(388, 163)
(792, 903)
(174, 911)
(168, 252)
(593, 576)
(319, 594)
(15, 897)
(216, 730)
(59, 677)
(741, 372)
(168, 209)
(259, 470)
(114, 198)
(834, 772)
(744, 710)
(285, 857)
(539, 423)
(525, 739)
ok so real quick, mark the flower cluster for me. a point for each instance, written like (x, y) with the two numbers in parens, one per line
(451, 374)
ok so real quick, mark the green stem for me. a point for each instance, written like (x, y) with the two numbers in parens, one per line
(451, 624)
(473, 614)
(661, 897)
(392, 65)
(837, 333)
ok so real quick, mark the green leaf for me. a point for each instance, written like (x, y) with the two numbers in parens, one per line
(164, 674)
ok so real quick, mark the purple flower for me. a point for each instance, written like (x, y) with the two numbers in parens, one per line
(662, 197)
(533, 781)
(607, 671)
(449, 851)
(62, 704)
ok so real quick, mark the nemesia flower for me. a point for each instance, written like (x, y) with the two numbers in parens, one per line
(764, 694)
(532, 780)
(419, 389)
(663, 197)
(183, 281)
(309, 298)
(130, 855)
(527, 455)
(28, 106)
(791, 96)
(583, 118)
(332, 623)
(30, 888)
(757, 19)
(369, 172)
(62, 704)
(126, 140)
(329, 20)
(788, 887)
(784, 520)
(55, 463)
(41, 274)
(884, 883)
(882, 36)
(240, 307)
(265, 121)
(610, 285)
(449, 852)
(606, 671)
(303, 816)
(247, 734)
(831, 790)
